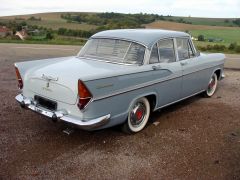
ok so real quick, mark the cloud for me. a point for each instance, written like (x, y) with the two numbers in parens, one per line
(203, 8)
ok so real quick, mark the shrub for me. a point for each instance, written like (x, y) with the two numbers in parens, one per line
(201, 37)
(219, 47)
(237, 49)
(232, 46)
(209, 47)
(49, 35)
(202, 48)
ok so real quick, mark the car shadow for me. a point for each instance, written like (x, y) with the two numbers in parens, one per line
(174, 107)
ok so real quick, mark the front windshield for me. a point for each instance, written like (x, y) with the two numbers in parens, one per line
(114, 50)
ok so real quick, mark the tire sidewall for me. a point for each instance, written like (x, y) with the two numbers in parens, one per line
(215, 88)
(143, 124)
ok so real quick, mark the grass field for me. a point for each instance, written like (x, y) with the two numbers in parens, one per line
(228, 36)
(61, 40)
(205, 21)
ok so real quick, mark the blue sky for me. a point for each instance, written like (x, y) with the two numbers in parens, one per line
(199, 8)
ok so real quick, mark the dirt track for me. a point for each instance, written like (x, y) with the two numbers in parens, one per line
(198, 138)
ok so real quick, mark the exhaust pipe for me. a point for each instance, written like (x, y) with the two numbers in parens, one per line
(22, 104)
(54, 118)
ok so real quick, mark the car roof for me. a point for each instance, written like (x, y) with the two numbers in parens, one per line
(146, 37)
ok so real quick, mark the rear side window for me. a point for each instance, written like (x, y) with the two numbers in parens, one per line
(163, 52)
(166, 51)
(135, 54)
(184, 49)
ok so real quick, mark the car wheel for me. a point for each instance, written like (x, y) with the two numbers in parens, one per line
(137, 117)
(212, 86)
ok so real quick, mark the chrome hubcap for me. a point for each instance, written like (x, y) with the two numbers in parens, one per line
(137, 114)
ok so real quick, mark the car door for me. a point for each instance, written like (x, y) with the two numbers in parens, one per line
(194, 79)
(167, 71)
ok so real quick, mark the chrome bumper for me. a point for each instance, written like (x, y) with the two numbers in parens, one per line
(62, 115)
(222, 76)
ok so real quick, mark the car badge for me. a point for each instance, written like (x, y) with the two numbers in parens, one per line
(48, 79)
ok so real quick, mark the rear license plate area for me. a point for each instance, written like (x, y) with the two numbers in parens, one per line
(46, 103)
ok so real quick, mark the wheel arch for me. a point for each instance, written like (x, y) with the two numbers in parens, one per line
(151, 97)
(218, 72)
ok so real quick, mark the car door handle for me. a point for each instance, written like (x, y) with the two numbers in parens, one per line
(184, 63)
(156, 67)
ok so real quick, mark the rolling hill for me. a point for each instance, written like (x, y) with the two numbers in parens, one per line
(218, 28)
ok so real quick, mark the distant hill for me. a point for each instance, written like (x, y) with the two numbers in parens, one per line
(55, 21)
(48, 20)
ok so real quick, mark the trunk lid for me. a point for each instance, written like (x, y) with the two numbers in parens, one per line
(58, 80)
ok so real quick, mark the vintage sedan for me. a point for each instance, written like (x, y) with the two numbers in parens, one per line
(118, 78)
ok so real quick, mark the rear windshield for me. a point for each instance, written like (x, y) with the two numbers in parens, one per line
(114, 50)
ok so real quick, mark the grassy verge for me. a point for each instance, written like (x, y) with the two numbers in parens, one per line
(68, 41)
(210, 47)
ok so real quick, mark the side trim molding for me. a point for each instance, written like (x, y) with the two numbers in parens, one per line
(143, 85)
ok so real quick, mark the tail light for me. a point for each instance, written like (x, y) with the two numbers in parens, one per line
(84, 94)
(19, 78)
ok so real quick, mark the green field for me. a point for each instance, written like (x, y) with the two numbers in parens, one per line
(228, 36)
(205, 21)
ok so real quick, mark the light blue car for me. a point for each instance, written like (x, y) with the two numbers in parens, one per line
(118, 77)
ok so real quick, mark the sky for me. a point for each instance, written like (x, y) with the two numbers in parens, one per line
(198, 8)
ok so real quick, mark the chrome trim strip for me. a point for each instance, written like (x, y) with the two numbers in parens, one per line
(222, 76)
(178, 100)
(117, 38)
(143, 85)
(93, 123)
(62, 115)
(112, 62)
(132, 88)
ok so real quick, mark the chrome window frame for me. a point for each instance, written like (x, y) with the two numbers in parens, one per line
(190, 45)
(156, 42)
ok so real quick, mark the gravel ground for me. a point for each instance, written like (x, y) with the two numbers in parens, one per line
(198, 138)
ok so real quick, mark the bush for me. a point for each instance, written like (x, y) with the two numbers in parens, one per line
(49, 35)
(219, 47)
(202, 48)
(76, 33)
(209, 47)
(237, 49)
(232, 46)
(201, 37)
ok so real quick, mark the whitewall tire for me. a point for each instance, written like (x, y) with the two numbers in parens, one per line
(212, 86)
(138, 116)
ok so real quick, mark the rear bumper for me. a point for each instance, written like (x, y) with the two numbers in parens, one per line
(89, 124)
(222, 76)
